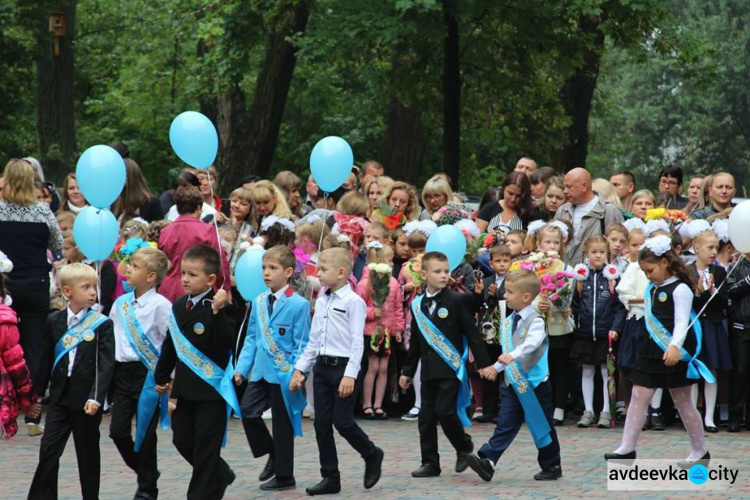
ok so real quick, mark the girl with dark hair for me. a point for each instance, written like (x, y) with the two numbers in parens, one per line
(515, 207)
(136, 200)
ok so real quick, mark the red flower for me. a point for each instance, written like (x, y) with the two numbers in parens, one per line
(393, 221)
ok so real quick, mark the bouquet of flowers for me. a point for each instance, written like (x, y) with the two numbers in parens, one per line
(452, 212)
(298, 276)
(413, 268)
(539, 262)
(390, 217)
(380, 277)
(556, 288)
(673, 217)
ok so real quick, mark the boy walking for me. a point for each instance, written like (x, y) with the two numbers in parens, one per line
(524, 360)
(140, 321)
(335, 349)
(77, 363)
(447, 330)
(276, 334)
(197, 349)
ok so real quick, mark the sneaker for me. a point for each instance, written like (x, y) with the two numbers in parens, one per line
(620, 411)
(412, 415)
(657, 421)
(307, 412)
(35, 429)
(605, 420)
(267, 415)
(587, 420)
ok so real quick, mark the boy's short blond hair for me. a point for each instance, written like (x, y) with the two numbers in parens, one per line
(156, 261)
(73, 273)
(65, 216)
(337, 257)
(527, 281)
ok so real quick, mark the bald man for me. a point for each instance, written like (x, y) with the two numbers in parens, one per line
(588, 213)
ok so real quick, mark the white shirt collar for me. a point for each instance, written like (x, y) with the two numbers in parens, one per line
(342, 292)
(197, 299)
(143, 298)
(78, 316)
(524, 313)
(280, 293)
(431, 295)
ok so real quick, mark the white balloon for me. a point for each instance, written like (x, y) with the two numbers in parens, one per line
(739, 227)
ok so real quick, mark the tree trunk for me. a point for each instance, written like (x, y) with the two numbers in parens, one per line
(56, 133)
(248, 138)
(403, 140)
(576, 96)
(451, 98)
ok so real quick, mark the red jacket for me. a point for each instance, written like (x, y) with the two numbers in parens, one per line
(16, 390)
(393, 309)
(186, 231)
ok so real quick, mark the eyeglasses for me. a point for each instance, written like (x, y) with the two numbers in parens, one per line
(433, 196)
(668, 182)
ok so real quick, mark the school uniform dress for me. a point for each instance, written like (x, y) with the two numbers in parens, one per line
(152, 312)
(530, 349)
(451, 313)
(715, 351)
(671, 303)
(289, 320)
(335, 351)
(83, 375)
(200, 419)
(632, 285)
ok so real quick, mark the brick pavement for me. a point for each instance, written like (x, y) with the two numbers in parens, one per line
(583, 467)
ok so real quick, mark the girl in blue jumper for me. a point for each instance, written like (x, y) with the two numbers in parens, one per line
(598, 315)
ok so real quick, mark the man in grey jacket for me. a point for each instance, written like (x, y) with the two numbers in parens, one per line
(586, 211)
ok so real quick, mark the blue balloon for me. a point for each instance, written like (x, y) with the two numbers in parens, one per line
(100, 173)
(96, 233)
(331, 162)
(448, 240)
(248, 274)
(193, 137)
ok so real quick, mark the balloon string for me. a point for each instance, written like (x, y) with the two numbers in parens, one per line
(218, 238)
(698, 315)
(309, 291)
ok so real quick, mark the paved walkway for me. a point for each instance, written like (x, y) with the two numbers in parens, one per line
(583, 467)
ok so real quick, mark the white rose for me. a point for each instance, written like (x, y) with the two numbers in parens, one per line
(383, 268)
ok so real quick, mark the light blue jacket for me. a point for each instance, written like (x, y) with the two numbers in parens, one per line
(290, 323)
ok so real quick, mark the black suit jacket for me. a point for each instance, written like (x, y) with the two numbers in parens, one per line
(82, 384)
(217, 339)
(458, 322)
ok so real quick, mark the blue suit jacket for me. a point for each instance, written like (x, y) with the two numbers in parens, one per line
(290, 323)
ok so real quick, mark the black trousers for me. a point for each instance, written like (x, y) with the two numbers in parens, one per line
(333, 411)
(259, 396)
(129, 379)
(560, 368)
(61, 422)
(439, 405)
(198, 430)
(31, 304)
(509, 423)
(490, 388)
(740, 346)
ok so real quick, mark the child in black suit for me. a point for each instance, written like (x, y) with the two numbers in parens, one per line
(77, 363)
(444, 317)
(200, 336)
(492, 308)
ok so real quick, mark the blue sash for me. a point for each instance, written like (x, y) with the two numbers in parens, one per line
(211, 373)
(80, 332)
(696, 369)
(295, 402)
(149, 356)
(532, 410)
(450, 355)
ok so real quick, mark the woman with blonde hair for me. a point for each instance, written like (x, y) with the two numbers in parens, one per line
(641, 202)
(269, 200)
(27, 230)
(374, 190)
(400, 197)
(353, 203)
(435, 194)
(606, 191)
(290, 186)
(71, 199)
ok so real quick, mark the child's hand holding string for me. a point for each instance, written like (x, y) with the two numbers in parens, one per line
(671, 356)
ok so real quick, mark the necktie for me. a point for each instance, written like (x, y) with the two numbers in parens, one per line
(516, 320)
(189, 305)
(271, 302)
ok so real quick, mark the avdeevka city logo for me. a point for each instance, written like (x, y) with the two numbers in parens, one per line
(698, 474)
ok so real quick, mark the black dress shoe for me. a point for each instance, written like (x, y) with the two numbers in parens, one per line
(557, 422)
(554, 472)
(733, 427)
(461, 463)
(481, 466)
(277, 484)
(686, 464)
(144, 495)
(327, 486)
(268, 471)
(618, 456)
(712, 429)
(227, 481)
(426, 470)
(373, 468)
(485, 419)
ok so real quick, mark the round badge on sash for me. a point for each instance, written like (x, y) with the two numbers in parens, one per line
(662, 296)
(442, 313)
(88, 335)
(199, 329)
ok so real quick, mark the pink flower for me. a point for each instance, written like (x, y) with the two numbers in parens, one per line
(554, 297)
(559, 275)
(560, 283)
(547, 278)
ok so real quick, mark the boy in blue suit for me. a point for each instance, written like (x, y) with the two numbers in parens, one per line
(277, 332)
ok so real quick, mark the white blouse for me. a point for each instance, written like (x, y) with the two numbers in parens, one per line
(683, 304)
(631, 286)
